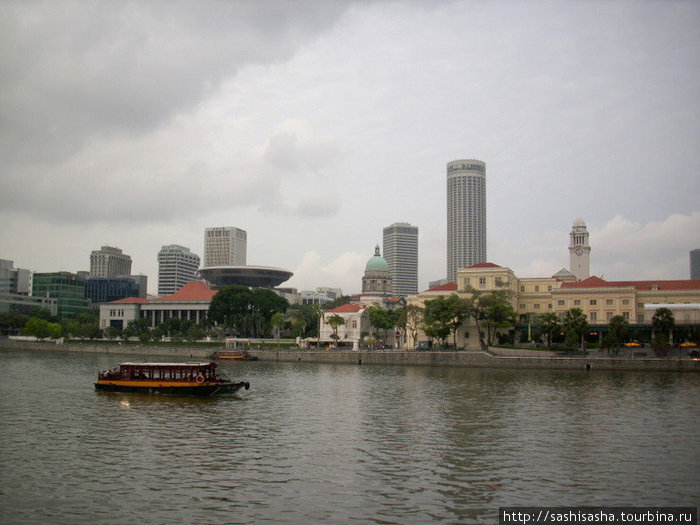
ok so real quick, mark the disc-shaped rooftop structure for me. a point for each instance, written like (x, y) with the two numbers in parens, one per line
(253, 276)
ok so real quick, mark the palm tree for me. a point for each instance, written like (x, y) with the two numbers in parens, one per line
(277, 320)
(334, 321)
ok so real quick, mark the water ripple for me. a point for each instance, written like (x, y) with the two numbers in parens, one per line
(318, 443)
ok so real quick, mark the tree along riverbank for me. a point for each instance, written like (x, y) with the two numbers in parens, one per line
(473, 359)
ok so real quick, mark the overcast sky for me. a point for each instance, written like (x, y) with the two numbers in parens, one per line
(312, 125)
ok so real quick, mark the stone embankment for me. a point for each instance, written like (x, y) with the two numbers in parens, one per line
(478, 359)
(184, 352)
(494, 358)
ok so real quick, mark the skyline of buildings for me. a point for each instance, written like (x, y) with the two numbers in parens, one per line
(466, 215)
(400, 247)
(227, 246)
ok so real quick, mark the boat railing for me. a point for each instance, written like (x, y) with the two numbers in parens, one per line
(188, 375)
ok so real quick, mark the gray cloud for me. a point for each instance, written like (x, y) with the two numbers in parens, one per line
(70, 70)
(314, 124)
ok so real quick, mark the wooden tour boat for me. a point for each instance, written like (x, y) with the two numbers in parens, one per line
(200, 379)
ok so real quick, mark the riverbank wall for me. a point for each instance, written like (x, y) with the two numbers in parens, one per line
(479, 359)
(471, 359)
(183, 352)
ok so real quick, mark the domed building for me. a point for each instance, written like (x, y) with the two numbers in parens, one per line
(377, 277)
(376, 289)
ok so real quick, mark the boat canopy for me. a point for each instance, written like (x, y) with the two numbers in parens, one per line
(163, 371)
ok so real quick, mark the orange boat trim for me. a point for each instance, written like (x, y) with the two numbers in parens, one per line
(154, 384)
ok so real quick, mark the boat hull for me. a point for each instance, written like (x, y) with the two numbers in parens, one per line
(208, 389)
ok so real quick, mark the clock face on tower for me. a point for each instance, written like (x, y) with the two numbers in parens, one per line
(578, 251)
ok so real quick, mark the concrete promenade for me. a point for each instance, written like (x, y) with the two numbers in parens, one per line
(494, 358)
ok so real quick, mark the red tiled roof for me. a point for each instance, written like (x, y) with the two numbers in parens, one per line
(597, 282)
(130, 300)
(484, 265)
(348, 308)
(590, 282)
(448, 287)
(687, 284)
(192, 291)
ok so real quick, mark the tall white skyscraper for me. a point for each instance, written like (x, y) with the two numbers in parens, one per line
(466, 215)
(225, 246)
(109, 262)
(177, 266)
(401, 253)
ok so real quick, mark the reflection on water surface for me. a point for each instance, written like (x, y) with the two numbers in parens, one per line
(341, 443)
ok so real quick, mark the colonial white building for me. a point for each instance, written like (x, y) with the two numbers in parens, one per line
(598, 299)
(349, 334)
(191, 302)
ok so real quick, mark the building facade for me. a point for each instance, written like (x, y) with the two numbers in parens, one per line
(466, 215)
(68, 289)
(14, 280)
(23, 304)
(401, 254)
(376, 280)
(314, 297)
(225, 246)
(109, 262)
(106, 290)
(695, 263)
(579, 251)
(356, 324)
(177, 266)
(191, 302)
(600, 300)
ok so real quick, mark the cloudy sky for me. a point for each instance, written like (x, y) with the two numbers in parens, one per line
(312, 125)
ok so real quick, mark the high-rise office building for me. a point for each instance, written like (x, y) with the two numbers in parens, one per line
(401, 253)
(68, 289)
(177, 266)
(14, 280)
(695, 263)
(109, 262)
(225, 246)
(108, 289)
(466, 215)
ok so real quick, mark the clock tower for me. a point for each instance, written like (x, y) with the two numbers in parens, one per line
(579, 251)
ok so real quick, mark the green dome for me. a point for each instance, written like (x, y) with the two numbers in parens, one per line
(377, 262)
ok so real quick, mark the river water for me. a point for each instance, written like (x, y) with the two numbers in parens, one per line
(319, 443)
